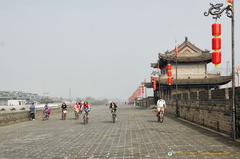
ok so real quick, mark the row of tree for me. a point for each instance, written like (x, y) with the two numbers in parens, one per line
(93, 101)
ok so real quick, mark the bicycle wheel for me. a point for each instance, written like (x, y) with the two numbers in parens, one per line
(161, 117)
(84, 119)
(114, 117)
(87, 118)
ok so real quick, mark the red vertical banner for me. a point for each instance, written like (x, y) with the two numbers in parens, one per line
(176, 50)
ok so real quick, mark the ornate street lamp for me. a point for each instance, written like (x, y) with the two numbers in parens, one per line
(169, 74)
(216, 11)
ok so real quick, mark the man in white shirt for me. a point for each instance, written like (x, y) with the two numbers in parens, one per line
(161, 104)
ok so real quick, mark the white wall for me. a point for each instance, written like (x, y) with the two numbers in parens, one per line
(16, 102)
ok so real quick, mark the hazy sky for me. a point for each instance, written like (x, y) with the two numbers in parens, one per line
(99, 48)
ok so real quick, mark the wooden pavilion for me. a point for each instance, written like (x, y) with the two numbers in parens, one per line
(189, 71)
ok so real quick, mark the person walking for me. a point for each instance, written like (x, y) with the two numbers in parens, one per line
(32, 111)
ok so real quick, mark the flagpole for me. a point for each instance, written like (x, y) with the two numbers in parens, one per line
(177, 108)
(146, 96)
(238, 78)
(233, 79)
(159, 89)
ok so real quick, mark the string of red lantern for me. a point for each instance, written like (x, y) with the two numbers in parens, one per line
(216, 44)
(169, 74)
(154, 79)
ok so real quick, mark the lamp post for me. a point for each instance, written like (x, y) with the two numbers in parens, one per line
(177, 107)
(238, 78)
(159, 74)
(216, 11)
(154, 73)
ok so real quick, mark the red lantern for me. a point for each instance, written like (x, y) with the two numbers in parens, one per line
(154, 82)
(154, 87)
(169, 80)
(216, 29)
(169, 67)
(154, 79)
(216, 58)
(216, 43)
(169, 73)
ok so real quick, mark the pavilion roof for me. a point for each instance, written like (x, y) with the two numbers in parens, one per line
(221, 80)
(188, 53)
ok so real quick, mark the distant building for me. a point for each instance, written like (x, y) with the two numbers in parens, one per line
(18, 98)
(16, 102)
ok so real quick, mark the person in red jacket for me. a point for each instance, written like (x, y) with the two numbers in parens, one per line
(86, 106)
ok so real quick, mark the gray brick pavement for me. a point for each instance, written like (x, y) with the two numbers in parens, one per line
(136, 134)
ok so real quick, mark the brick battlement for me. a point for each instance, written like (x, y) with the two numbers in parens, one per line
(212, 108)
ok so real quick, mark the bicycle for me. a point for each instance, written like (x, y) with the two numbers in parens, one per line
(46, 114)
(76, 115)
(64, 114)
(160, 116)
(85, 117)
(113, 112)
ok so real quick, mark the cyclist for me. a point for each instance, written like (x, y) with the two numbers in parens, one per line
(161, 104)
(46, 106)
(64, 107)
(86, 107)
(113, 107)
(80, 107)
(77, 108)
(46, 109)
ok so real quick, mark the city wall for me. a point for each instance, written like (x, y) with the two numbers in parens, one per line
(12, 117)
(211, 108)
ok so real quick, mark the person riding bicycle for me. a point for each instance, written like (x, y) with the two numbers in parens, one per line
(46, 109)
(161, 104)
(86, 107)
(113, 107)
(77, 107)
(64, 107)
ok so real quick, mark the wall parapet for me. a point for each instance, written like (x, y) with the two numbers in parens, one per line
(20, 116)
(211, 108)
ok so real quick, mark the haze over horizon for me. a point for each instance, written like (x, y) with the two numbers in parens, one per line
(101, 49)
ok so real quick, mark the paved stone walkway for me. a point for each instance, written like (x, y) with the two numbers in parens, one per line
(136, 134)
